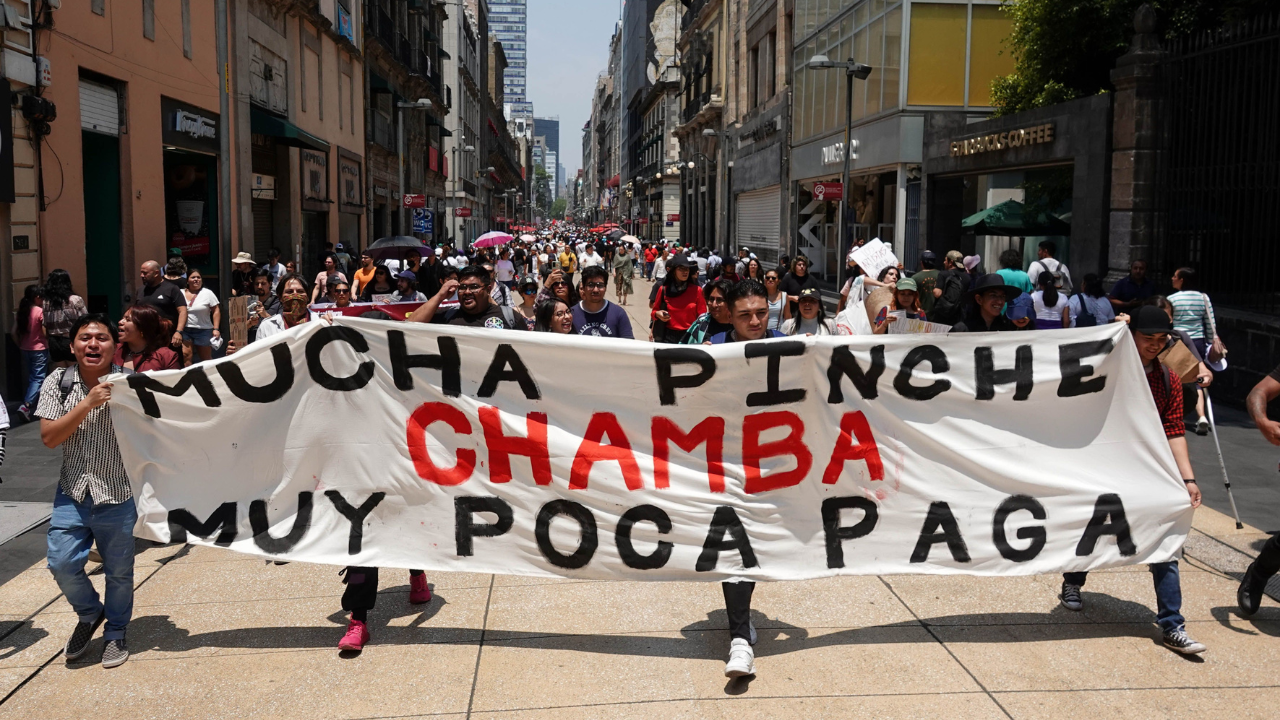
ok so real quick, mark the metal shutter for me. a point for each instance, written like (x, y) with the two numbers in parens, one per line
(99, 108)
(759, 219)
(263, 235)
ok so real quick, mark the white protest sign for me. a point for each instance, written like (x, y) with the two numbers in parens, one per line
(445, 448)
(874, 257)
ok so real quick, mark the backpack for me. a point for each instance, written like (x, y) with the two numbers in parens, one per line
(68, 381)
(1059, 278)
(1086, 318)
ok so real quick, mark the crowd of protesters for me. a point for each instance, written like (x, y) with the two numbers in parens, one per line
(559, 283)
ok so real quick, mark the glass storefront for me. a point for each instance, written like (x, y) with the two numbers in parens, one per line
(872, 209)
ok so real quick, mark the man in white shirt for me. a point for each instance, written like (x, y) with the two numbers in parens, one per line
(1047, 263)
(590, 258)
(702, 268)
(713, 262)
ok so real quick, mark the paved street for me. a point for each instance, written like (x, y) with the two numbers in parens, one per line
(221, 635)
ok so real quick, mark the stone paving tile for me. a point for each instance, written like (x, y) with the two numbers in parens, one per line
(406, 680)
(679, 666)
(963, 600)
(1113, 656)
(958, 706)
(1197, 703)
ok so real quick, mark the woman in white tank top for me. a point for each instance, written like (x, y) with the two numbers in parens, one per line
(779, 310)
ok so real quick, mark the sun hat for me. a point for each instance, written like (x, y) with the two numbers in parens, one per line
(992, 281)
(972, 261)
(243, 258)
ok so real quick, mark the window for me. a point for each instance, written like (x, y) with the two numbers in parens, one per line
(989, 55)
(937, 54)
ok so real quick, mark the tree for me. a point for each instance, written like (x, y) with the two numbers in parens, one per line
(558, 207)
(1065, 49)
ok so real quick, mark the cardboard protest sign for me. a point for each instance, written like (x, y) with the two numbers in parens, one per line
(445, 448)
(911, 326)
(238, 318)
(874, 257)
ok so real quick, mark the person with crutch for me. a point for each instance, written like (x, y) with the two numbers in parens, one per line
(1254, 582)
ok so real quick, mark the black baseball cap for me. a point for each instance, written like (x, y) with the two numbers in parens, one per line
(1150, 320)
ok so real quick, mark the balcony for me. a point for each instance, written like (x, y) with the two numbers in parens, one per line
(386, 29)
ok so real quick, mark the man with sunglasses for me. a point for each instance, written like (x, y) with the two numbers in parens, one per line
(475, 307)
(595, 315)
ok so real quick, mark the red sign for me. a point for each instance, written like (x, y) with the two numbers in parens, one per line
(673, 217)
(828, 191)
(462, 212)
(415, 201)
(643, 221)
(190, 246)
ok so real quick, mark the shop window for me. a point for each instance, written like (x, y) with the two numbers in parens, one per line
(989, 54)
(937, 64)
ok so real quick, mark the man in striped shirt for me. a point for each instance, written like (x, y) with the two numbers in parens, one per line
(94, 500)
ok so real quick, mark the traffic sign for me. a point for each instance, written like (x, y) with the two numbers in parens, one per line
(828, 191)
(415, 201)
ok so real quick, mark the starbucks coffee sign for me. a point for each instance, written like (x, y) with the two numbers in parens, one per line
(1034, 135)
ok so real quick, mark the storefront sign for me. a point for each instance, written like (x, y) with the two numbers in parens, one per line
(190, 246)
(188, 127)
(315, 177)
(1034, 135)
(824, 191)
(415, 201)
(349, 181)
(264, 187)
(673, 217)
(833, 154)
(462, 212)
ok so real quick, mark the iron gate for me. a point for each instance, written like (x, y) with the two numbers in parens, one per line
(1219, 176)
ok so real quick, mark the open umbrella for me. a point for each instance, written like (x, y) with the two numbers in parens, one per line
(492, 239)
(528, 238)
(396, 247)
(1011, 219)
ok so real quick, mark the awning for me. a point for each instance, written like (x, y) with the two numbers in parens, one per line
(285, 132)
(614, 181)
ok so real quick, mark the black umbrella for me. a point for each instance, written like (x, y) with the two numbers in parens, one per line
(396, 247)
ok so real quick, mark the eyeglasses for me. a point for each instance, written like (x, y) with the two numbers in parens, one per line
(770, 279)
(596, 286)
(470, 288)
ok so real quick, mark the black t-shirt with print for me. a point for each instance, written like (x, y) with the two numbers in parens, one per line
(491, 318)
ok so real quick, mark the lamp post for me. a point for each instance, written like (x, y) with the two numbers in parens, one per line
(851, 70)
(421, 104)
(457, 175)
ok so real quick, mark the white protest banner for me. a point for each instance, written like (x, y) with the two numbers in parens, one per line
(874, 257)
(444, 448)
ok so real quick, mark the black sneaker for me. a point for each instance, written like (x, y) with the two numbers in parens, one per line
(115, 653)
(1071, 599)
(1249, 594)
(80, 637)
(1179, 641)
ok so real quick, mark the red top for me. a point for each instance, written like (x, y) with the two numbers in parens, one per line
(158, 359)
(1167, 392)
(684, 308)
(650, 255)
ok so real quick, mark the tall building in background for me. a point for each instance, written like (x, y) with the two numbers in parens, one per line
(509, 22)
(548, 128)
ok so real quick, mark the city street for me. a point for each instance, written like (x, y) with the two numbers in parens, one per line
(216, 634)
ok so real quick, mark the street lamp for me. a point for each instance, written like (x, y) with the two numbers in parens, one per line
(421, 104)
(851, 70)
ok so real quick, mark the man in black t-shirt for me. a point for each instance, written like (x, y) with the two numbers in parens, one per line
(475, 307)
(166, 297)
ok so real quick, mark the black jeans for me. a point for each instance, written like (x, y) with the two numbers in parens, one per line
(737, 601)
(362, 590)
(1268, 562)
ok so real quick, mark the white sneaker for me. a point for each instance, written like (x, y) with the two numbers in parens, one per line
(742, 659)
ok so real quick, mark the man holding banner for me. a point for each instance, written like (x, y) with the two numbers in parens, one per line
(1151, 328)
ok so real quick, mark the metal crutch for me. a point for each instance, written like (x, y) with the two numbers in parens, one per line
(1213, 426)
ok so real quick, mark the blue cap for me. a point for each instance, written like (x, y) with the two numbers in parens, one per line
(1020, 307)
(407, 275)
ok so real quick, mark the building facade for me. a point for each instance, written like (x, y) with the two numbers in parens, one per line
(509, 23)
(465, 31)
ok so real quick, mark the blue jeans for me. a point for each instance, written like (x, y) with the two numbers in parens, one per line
(72, 530)
(36, 363)
(648, 271)
(1168, 593)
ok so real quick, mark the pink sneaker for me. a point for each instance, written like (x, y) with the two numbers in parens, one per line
(357, 635)
(419, 591)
